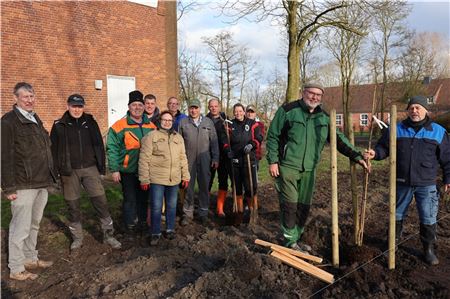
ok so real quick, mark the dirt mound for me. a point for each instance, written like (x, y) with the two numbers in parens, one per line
(222, 261)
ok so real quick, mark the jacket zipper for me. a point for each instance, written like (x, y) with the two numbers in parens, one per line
(81, 144)
(170, 156)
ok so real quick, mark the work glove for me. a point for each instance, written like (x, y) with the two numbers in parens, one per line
(184, 184)
(144, 187)
(248, 148)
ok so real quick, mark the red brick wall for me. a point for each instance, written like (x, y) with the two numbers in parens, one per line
(62, 47)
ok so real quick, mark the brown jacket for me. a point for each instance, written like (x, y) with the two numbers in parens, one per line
(162, 159)
(26, 157)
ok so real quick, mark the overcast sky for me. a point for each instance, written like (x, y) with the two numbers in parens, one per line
(263, 39)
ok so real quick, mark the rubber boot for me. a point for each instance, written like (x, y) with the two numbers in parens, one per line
(398, 231)
(109, 239)
(77, 235)
(428, 237)
(240, 213)
(221, 197)
(249, 211)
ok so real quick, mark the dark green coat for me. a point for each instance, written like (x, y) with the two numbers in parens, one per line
(296, 137)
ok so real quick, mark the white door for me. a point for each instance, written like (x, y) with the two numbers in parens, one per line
(118, 89)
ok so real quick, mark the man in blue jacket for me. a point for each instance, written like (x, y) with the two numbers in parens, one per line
(422, 146)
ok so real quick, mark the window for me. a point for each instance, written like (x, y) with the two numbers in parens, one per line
(364, 119)
(430, 100)
(339, 120)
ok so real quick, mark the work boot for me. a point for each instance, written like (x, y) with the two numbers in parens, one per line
(302, 247)
(77, 235)
(154, 240)
(221, 197)
(110, 240)
(24, 275)
(398, 231)
(428, 238)
(185, 220)
(239, 216)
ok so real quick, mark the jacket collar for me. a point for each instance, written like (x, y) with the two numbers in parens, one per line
(22, 118)
(427, 124)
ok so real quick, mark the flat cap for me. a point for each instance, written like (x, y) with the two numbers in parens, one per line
(313, 85)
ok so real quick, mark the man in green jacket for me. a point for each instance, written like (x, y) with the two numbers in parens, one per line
(122, 147)
(295, 140)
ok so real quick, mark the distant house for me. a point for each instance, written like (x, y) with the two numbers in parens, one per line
(100, 49)
(437, 91)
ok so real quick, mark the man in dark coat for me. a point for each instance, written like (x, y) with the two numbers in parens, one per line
(79, 155)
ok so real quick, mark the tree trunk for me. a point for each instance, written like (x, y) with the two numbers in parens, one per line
(293, 83)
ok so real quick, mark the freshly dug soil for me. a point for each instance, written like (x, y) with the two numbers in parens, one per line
(222, 261)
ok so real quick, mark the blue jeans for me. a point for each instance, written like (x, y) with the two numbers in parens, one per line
(427, 202)
(158, 193)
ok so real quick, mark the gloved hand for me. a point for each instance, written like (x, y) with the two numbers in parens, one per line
(144, 187)
(184, 184)
(248, 148)
(230, 154)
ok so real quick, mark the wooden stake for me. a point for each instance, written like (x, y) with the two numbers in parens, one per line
(303, 266)
(392, 184)
(353, 180)
(334, 191)
(290, 251)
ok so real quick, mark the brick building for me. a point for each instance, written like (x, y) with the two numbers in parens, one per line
(100, 49)
(437, 91)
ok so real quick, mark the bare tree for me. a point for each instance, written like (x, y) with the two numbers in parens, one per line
(302, 19)
(425, 55)
(191, 80)
(345, 46)
(389, 35)
(184, 7)
(231, 62)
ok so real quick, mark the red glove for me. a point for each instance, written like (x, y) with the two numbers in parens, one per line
(144, 187)
(184, 184)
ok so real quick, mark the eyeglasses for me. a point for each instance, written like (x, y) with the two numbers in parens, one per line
(314, 94)
(167, 120)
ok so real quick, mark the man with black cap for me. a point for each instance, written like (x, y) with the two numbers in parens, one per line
(295, 140)
(422, 146)
(202, 151)
(79, 158)
(122, 148)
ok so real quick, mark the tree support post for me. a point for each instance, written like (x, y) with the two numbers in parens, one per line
(392, 183)
(334, 191)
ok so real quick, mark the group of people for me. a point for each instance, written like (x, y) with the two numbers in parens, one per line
(153, 154)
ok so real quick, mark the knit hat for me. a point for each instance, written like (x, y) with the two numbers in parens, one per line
(421, 100)
(195, 103)
(313, 85)
(76, 100)
(135, 96)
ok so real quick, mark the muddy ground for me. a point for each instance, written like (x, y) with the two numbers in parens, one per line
(222, 261)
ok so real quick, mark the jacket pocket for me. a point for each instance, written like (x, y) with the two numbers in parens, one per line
(131, 141)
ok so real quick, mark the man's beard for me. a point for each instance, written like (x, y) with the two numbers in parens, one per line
(311, 104)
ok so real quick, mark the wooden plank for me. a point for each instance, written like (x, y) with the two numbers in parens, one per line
(291, 251)
(303, 266)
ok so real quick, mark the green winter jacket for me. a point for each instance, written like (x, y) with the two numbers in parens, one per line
(124, 142)
(296, 137)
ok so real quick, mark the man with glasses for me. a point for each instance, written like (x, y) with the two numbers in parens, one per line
(202, 150)
(295, 140)
(173, 106)
(79, 157)
(27, 171)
